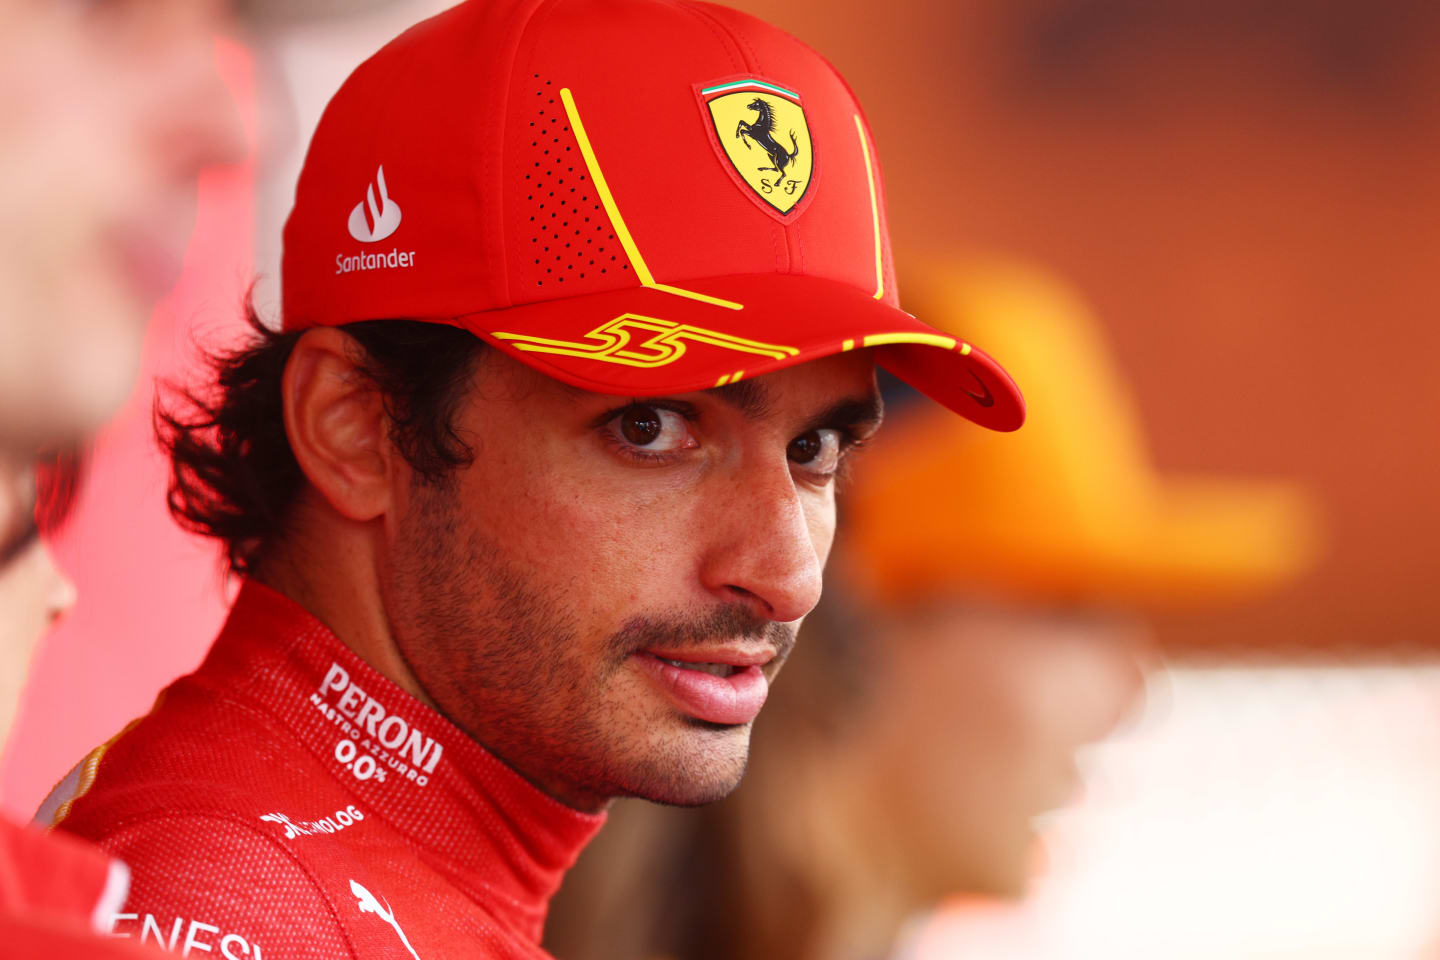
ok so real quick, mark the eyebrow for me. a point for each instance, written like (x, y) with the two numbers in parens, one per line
(750, 397)
(850, 414)
(755, 401)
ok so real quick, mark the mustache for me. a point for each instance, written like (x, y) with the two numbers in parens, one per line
(718, 625)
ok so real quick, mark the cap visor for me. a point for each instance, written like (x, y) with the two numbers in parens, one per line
(1200, 543)
(1216, 538)
(650, 341)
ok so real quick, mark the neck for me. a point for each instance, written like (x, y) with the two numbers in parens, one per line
(328, 565)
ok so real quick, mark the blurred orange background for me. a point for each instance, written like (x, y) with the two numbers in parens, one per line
(1247, 191)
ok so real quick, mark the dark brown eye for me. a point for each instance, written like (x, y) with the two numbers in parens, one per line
(653, 433)
(640, 425)
(818, 451)
(805, 447)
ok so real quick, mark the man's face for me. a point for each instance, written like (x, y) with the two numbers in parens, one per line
(108, 110)
(602, 598)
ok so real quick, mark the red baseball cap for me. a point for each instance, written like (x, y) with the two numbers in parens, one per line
(635, 197)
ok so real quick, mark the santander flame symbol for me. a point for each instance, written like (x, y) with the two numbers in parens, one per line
(385, 216)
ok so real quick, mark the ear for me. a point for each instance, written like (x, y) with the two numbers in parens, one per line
(336, 422)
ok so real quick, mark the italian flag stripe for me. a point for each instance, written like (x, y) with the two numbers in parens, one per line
(742, 84)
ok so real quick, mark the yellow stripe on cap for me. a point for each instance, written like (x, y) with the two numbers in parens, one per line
(617, 222)
(874, 210)
(928, 339)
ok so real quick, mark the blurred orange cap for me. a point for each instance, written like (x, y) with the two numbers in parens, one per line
(1068, 509)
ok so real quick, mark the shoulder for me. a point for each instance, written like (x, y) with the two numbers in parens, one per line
(194, 799)
(199, 753)
(218, 880)
(192, 741)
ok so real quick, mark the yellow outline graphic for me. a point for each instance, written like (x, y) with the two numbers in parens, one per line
(874, 210)
(617, 222)
(617, 345)
(928, 339)
(90, 768)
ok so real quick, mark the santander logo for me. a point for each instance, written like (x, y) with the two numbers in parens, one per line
(384, 218)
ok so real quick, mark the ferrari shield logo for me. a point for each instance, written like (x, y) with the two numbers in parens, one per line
(760, 130)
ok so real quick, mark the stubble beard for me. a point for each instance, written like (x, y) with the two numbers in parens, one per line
(504, 660)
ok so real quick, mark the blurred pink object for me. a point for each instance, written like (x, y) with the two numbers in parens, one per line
(102, 665)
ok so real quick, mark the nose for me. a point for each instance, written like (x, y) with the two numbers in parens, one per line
(60, 593)
(763, 550)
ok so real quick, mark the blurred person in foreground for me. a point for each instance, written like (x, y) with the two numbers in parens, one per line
(108, 110)
(532, 485)
(57, 894)
(985, 621)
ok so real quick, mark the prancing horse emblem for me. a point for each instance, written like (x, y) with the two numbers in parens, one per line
(762, 134)
(759, 130)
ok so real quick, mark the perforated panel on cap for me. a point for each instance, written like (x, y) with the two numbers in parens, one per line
(571, 242)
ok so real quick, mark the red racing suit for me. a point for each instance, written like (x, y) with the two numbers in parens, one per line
(56, 893)
(287, 801)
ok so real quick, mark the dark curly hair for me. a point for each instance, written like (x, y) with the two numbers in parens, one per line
(233, 475)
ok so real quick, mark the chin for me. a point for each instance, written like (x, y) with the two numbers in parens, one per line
(992, 881)
(1009, 885)
(703, 764)
(1011, 872)
(997, 865)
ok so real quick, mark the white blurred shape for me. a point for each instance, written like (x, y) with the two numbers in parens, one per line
(1272, 812)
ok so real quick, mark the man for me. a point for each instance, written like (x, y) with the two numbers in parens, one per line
(581, 304)
(985, 621)
(108, 112)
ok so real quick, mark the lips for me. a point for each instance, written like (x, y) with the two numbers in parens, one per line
(726, 687)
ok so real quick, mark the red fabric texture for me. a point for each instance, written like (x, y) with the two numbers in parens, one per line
(287, 801)
(44, 938)
(50, 886)
(46, 874)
